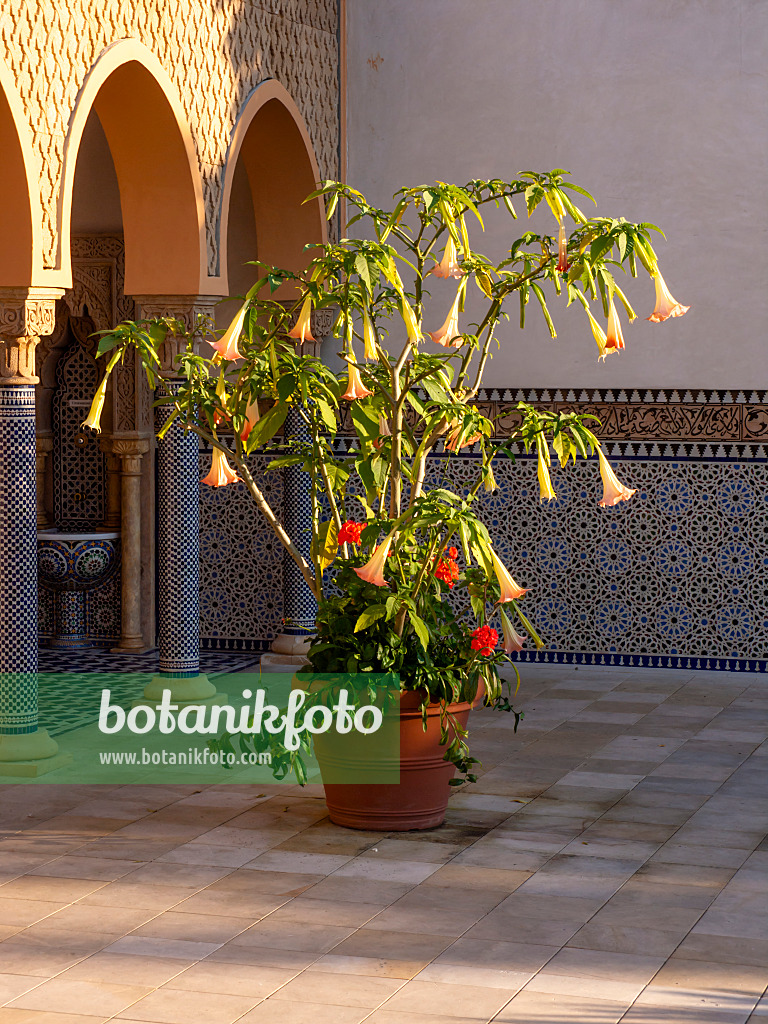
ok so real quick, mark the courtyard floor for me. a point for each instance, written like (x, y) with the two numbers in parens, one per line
(610, 865)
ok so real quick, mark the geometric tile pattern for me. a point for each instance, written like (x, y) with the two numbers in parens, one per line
(299, 605)
(178, 548)
(241, 562)
(18, 562)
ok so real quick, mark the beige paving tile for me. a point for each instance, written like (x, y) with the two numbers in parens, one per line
(85, 920)
(645, 1014)
(332, 963)
(510, 928)
(53, 889)
(16, 1016)
(432, 997)
(547, 1008)
(187, 876)
(233, 979)
(729, 987)
(618, 991)
(385, 1016)
(97, 868)
(274, 883)
(707, 856)
(313, 938)
(466, 876)
(453, 923)
(193, 927)
(249, 907)
(723, 949)
(177, 949)
(151, 971)
(84, 997)
(415, 850)
(208, 856)
(416, 948)
(13, 985)
(23, 912)
(486, 977)
(342, 990)
(280, 1011)
(310, 863)
(326, 912)
(627, 938)
(357, 890)
(602, 965)
(524, 957)
(386, 870)
(126, 894)
(169, 1006)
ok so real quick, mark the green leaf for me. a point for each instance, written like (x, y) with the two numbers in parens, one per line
(267, 426)
(420, 627)
(540, 296)
(363, 270)
(370, 615)
(366, 424)
(325, 544)
(533, 196)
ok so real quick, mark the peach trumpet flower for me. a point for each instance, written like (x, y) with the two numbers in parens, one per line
(221, 472)
(666, 306)
(449, 335)
(512, 640)
(369, 337)
(355, 386)
(598, 334)
(562, 250)
(452, 440)
(373, 570)
(300, 331)
(448, 267)
(226, 346)
(510, 591)
(614, 339)
(613, 490)
(251, 418)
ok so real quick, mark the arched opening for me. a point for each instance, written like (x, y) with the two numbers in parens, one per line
(150, 146)
(271, 169)
(17, 229)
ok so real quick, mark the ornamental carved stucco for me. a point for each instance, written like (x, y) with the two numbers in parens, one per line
(26, 315)
(185, 308)
(216, 54)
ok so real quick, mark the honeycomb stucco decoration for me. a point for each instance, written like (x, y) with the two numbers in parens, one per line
(215, 53)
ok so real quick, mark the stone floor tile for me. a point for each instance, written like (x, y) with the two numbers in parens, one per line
(643, 1013)
(332, 963)
(487, 977)
(693, 983)
(17, 1016)
(187, 876)
(601, 965)
(511, 928)
(616, 990)
(208, 856)
(273, 883)
(357, 890)
(170, 1006)
(151, 971)
(627, 938)
(96, 868)
(340, 989)
(707, 856)
(14, 985)
(310, 938)
(280, 1011)
(386, 870)
(79, 919)
(465, 875)
(413, 947)
(232, 979)
(497, 954)
(123, 893)
(335, 913)
(177, 949)
(262, 956)
(53, 889)
(601, 780)
(23, 912)
(546, 1008)
(193, 927)
(623, 849)
(431, 997)
(385, 1016)
(442, 921)
(83, 997)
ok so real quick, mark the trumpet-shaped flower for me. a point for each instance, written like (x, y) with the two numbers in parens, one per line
(448, 267)
(598, 334)
(452, 440)
(512, 640)
(369, 337)
(666, 306)
(562, 250)
(546, 491)
(226, 346)
(251, 418)
(373, 570)
(613, 490)
(97, 407)
(221, 472)
(510, 591)
(300, 331)
(411, 323)
(355, 386)
(449, 335)
(614, 339)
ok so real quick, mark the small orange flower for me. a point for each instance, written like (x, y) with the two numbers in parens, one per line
(226, 346)
(614, 340)
(373, 570)
(221, 472)
(300, 330)
(613, 490)
(512, 640)
(666, 306)
(355, 386)
(562, 250)
(449, 334)
(510, 591)
(251, 418)
(448, 267)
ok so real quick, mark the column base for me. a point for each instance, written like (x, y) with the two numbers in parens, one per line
(274, 662)
(30, 754)
(184, 690)
(131, 646)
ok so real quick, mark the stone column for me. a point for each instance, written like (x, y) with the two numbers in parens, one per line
(299, 605)
(178, 525)
(44, 447)
(130, 451)
(25, 749)
(112, 516)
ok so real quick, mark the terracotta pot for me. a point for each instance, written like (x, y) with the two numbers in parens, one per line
(419, 800)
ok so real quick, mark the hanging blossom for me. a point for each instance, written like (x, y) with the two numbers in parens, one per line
(598, 334)
(613, 490)
(449, 336)
(510, 591)
(97, 407)
(369, 337)
(614, 339)
(301, 331)
(251, 418)
(221, 472)
(512, 640)
(666, 306)
(355, 387)
(448, 266)
(484, 640)
(562, 250)
(226, 346)
(546, 491)
(350, 532)
(452, 439)
(373, 570)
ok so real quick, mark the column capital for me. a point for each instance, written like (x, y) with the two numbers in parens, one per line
(26, 315)
(131, 450)
(186, 308)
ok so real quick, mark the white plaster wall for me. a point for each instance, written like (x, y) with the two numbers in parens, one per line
(658, 107)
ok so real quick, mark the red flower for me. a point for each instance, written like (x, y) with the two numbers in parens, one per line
(447, 570)
(350, 532)
(453, 553)
(484, 639)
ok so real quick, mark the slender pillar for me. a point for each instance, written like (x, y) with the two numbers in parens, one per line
(25, 748)
(44, 447)
(178, 526)
(130, 451)
(112, 516)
